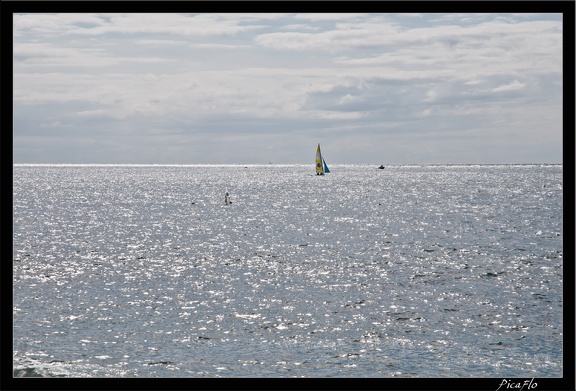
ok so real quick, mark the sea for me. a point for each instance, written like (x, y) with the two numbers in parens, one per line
(412, 271)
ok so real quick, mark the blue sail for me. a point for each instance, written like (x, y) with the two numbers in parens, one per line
(326, 170)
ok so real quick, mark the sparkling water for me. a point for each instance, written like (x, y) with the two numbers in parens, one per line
(410, 271)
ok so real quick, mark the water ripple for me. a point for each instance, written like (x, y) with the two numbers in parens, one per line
(421, 271)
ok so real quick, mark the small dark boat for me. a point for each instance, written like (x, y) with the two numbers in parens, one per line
(381, 167)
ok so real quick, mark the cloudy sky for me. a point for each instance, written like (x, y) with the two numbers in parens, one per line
(167, 88)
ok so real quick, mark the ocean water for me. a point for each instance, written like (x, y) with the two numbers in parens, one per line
(410, 271)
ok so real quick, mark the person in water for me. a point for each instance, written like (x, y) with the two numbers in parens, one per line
(227, 199)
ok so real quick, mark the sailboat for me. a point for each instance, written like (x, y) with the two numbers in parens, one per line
(321, 167)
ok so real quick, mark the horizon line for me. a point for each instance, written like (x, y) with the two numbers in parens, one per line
(283, 164)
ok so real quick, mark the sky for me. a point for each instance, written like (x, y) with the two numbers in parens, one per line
(211, 88)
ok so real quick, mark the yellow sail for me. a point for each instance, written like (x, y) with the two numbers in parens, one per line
(319, 164)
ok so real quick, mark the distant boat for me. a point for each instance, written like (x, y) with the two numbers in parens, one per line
(321, 167)
(381, 167)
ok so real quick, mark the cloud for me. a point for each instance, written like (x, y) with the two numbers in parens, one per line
(515, 85)
(53, 124)
(71, 24)
(299, 27)
(343, 37)
(45, 24)
(181, 79)
(162, 42)
(34, 55)
(315, 17)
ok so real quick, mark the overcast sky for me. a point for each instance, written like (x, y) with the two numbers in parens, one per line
(171, 88)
